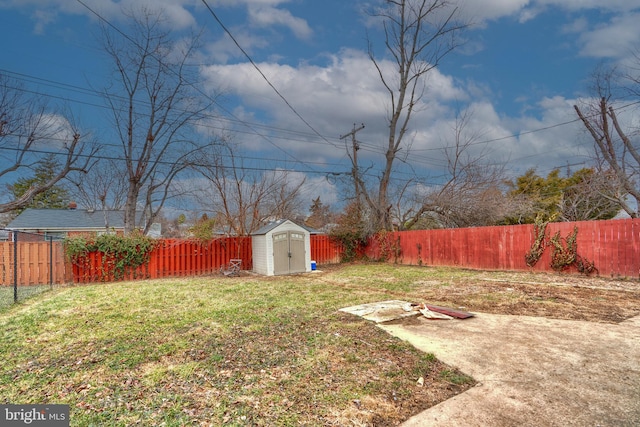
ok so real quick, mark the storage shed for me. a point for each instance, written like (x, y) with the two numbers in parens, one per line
(281, 247)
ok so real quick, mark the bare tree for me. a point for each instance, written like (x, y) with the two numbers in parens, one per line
(615, 142)
(591, 195)
(244, 199)
(473, 194)
(154, 106)
(29, 132)
(418, 35)
(104, 187)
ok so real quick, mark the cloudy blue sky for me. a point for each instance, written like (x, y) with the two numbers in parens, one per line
(524, 64)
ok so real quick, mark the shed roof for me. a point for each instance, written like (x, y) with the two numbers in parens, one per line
(66, 219)
(267, 228)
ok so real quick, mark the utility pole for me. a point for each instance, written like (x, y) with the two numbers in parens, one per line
(354, 159)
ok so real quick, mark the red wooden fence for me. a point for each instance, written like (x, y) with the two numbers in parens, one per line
(324, 250)
(174, 258)
(613, 246)
(180, 258)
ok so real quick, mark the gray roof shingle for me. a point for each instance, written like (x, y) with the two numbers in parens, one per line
(66, 219)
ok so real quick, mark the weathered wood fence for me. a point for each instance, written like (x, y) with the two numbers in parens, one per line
(34, 263)
(613, 246)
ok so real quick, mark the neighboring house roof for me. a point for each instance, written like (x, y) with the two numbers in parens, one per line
(66, 219)
(311, 230)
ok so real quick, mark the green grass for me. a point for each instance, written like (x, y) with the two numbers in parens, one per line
(24, 293)
(236, 351)
(455, 377)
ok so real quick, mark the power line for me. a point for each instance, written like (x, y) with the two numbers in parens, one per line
(244, 52)
(370, 147)
(197, 89)
(165, 162)
(295, 135)
(367, 146)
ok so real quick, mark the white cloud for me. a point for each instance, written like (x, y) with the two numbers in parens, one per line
(576, 26)
(224, 49)
(175, 11)
(487, 10)
(332, 97)
(550, 138)
(267, 16)
(55, 130)
(578, 5)
(347, 90)
(615, 39)
(612, 39)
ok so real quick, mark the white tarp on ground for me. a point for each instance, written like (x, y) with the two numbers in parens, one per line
(383, 311)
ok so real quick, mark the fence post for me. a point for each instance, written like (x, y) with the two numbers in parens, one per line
(51, 261)
(15, 266)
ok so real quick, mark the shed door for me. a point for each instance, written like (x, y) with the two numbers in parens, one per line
(288, 253)
(296, 247)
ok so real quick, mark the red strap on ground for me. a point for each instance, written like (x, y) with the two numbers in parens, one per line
(458, 314)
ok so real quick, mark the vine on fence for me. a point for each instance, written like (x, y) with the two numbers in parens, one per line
(564, 253)
(539, 244)
(584, 266)
(352, 242)
(121, 255)
(388, 246)
(565, 250)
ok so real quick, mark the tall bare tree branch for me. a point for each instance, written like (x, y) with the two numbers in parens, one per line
(29, 132)
(154, 107)
(244, 199)
(616, 148)
(418, 35)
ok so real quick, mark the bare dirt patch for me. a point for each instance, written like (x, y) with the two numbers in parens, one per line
(559, 296)
(555, 296)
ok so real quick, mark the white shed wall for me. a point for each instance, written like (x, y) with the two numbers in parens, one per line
(263, 248)
(260, 258)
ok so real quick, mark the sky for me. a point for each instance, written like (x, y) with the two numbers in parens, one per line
(521, 68)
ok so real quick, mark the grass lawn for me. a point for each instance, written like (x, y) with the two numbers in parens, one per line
(245, 350)
(24, 292)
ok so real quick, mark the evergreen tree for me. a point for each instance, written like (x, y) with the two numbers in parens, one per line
(56, 197)
(581, 196)
(320, 215)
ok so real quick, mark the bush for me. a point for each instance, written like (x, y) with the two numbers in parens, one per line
(121, 255)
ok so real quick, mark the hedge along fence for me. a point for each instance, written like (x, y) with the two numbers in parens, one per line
(612, 246)
(182, 258)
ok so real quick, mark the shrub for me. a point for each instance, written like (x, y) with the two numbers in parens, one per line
(121, 255)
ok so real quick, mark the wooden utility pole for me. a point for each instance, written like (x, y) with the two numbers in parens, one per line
(354, 159)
